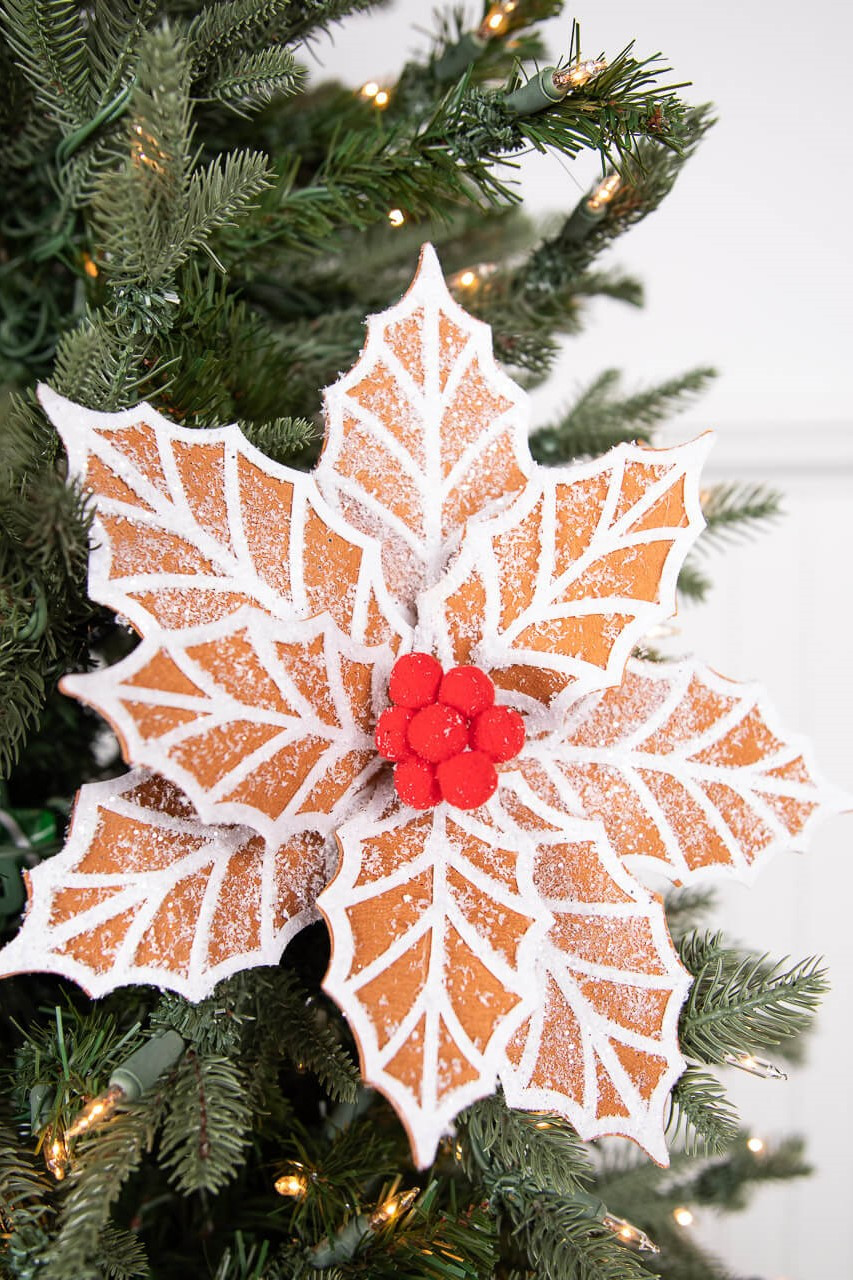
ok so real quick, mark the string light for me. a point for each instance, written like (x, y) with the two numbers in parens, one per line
(143, 156)
(628, 1234)
(755, 1066)
(604, 193)
(99, 1109)
(683, 1216)
(471, 277)
(369, 90)
(497, 19)
(392, 1208)
(396, 217)
(90, 266)
(293, 1183)
(382, 98)
(580, 74)
(755, 1145)
(55, 1154)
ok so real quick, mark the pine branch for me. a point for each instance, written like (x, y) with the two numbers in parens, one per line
(215, 198)
(603, 415)
(254, 78)
(693, 584)
(613, 114)
(139, 205)
(683, 1257)
(43, 556)
(559, 1239)
(97, 365)
(25, 126)
(744, 1003)
(264, 1013)
(344, 1174)
(506, 1140)
(727, 1183)
(282, 439)
(308, 18)
(293, 1027)
(207, 1124)
(646, 181)
(431, 1245)
(103, 1162)
(47, 37)
(524, 325)
(114, 32)
(121, 1255)
(25, 1203)
(151, 214)
(701, 1114)
(609, 284)
(685, 907)
(231, 28)
(733, 510)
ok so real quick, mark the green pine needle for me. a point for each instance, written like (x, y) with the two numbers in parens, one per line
(700, 1114)
(207, 1123)
(121, 1255)
(744, 1003)
(603, 415)
(254, 78)
(103, 1161)
(733, 510)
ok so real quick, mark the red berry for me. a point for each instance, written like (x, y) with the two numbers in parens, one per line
(437, 733)
(468, 689)
(467, 780)
(414, 680)
(499, 732)
(415, 784)
(390, 736)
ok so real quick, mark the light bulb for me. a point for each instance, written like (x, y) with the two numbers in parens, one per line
(580, 74)
(293, 1184)
(55, 1155)
(393, 1207)
(604, 192)
(396, 217)
(496, 20)
(630, 1235)
(100, 1108)
(755, 1066)
(683, 1216)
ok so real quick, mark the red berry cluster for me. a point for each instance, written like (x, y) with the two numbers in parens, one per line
(444, 733)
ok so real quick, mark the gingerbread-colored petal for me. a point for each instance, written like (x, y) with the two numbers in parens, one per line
(553, 592)
(192, 525)
(144, 892)
(432, 954)
(690, 772)
(601, 1048)
(423, 433)
(258, 721)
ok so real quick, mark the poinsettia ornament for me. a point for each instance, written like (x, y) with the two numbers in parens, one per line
(414, 666)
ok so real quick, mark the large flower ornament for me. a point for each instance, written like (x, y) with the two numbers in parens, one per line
(407, 678)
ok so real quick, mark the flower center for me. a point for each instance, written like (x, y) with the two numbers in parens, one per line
(444, 733)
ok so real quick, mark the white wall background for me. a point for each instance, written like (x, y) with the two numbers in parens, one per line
(747, 267)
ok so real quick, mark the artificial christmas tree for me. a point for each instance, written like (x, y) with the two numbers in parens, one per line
(220, 1125)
